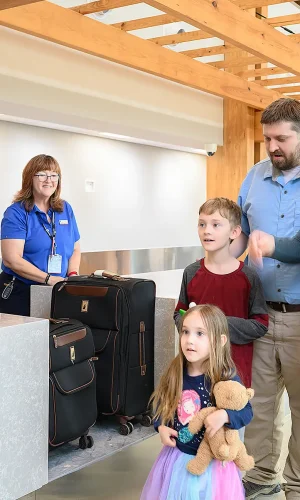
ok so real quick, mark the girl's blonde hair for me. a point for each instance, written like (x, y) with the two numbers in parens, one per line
(219, 366)
(37, 164)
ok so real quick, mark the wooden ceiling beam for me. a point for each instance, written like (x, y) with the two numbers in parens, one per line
(252, 4)
(286, 90)
(284, 20)
(297, 96)
(238, 63)
(225, 20)
(189, 36)
(280, 81)
(295, 38)
(251, 73)
(210, 51)
(100, 6)
(56, 24)
(146, 22)
(10, 4)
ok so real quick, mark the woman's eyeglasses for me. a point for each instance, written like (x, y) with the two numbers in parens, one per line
(44, 177)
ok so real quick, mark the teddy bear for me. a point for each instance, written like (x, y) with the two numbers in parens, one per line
(225, 445)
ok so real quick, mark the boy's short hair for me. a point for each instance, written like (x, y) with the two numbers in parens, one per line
(227, 209)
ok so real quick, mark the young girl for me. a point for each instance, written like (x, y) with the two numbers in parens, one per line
(203, 360)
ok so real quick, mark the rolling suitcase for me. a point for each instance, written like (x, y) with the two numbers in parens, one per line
(120, 313)
(72, 383)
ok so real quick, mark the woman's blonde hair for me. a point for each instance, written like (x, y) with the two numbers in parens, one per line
(219, 366)
(37, 164)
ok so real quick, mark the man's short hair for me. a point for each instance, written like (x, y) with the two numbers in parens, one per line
(282, 110)
(227, 209)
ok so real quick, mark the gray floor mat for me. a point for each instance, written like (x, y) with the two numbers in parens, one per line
(69, 458)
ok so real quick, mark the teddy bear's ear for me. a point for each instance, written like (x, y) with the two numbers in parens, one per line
(250, 393)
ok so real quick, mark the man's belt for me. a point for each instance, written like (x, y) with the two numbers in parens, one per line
(284, 307)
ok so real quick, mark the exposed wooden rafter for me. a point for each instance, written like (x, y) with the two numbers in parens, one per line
(225, 20)
(9, 4)
(195, 35)
(210, 51)
(190, 36)
(99, 6)
(251, 73)
(146, 22)
(252, 4)
(65, 27)
(297, 96)
(280, 81)
(238, 63)
(284, 20)
(286, 90)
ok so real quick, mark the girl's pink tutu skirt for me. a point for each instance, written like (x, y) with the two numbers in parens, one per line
(170, 480)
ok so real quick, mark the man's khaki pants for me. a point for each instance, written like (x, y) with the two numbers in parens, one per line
(276, 364)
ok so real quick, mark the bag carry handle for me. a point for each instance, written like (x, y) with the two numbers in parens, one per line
(102, 273)
(105, 274)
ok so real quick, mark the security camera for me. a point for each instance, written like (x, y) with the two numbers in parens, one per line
(210, 149)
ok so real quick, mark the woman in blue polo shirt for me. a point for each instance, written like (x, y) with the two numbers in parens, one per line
(39, 236)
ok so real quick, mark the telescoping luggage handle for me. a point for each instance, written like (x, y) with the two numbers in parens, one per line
(102, 273)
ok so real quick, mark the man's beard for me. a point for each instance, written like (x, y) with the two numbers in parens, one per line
(286, 163)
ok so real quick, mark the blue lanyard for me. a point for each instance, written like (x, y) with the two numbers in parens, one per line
(53, 235)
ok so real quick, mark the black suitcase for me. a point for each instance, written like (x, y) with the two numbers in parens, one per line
(120, 312)
(72, 383)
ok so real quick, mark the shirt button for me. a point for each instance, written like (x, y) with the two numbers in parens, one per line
(278, 265)
(285, 192)
(279, 290)
(282, 216)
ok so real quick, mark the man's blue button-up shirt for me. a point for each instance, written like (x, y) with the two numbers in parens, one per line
(272, 206)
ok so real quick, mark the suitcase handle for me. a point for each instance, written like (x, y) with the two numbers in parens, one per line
(101, 273)
(105, 274)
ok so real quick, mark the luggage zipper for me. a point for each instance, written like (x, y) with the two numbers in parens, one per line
(72, 349)
(142, 348)
(62, 335)
(72, 354)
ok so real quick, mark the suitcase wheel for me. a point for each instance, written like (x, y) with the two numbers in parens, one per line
(126, 429)
(86, 442)
(146, 421)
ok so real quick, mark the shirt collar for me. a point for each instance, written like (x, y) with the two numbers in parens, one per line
(36, 209)
(274, 172)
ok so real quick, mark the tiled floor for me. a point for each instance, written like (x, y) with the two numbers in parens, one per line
(119, 477)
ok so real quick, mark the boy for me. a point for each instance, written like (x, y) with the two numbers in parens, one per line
(222, 280)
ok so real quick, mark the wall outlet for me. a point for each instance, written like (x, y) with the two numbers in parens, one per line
(89, 186)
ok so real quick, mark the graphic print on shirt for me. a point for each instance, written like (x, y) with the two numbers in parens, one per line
(188, 406)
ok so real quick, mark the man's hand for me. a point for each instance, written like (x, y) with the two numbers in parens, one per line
(260, 245)
(215, 422)
(167, 435)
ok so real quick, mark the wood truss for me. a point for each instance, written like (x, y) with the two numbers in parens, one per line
(246, 43)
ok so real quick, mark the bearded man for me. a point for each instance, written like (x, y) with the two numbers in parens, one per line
(270, 201)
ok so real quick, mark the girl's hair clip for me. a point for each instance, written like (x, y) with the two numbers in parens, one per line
(182, 311)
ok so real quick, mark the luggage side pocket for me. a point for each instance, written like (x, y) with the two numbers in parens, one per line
(72, 409)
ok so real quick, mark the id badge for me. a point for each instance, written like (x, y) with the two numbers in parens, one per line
(54, 264)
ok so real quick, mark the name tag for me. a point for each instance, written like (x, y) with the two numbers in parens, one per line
(63, 222)
(54, 264)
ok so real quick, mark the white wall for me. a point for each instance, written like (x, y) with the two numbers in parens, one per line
(145, 196)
